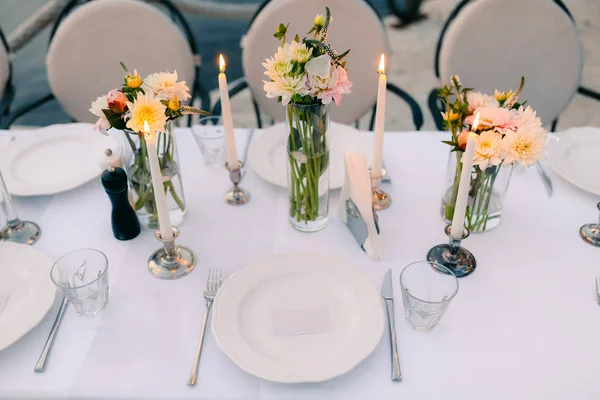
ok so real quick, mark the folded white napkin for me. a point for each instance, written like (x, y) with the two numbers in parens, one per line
(357, 187)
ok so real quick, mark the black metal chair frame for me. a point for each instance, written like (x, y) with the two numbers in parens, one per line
(435, 104)
(197, 91)
(240, 84)
(8, 92)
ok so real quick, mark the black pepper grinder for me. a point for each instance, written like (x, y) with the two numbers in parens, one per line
(125, 224)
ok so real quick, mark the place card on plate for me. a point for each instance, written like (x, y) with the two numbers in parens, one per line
(356, 208)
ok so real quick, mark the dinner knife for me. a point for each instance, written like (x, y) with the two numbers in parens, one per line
(387, 292)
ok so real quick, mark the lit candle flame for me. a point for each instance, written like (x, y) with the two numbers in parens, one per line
(222, 64)
(381, 69)
(146, 128)
(475, 123)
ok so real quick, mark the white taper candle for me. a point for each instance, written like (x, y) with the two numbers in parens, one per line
(376, 168)
(460, 207)
(232, 156)
(166, 230)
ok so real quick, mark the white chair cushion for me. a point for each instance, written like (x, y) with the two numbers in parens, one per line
(4, 69)
(355, 26)
(492, 43)
(83, 58)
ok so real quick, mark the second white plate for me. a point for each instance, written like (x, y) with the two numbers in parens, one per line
(26, 292)
(573, 154)
(300, 317)
(267, 153)
(53, 159)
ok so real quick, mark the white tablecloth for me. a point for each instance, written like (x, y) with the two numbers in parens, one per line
(525, 325)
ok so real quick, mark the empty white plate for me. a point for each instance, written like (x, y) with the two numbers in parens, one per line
(299, 317)
(53, 159)
(26, 292)
(573, 154)
(268, 155)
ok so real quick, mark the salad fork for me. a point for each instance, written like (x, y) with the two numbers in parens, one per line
(213, 283)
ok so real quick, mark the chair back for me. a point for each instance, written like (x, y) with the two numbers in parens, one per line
(85, 51)
(490, 44)
(355, 26)
(5, 68)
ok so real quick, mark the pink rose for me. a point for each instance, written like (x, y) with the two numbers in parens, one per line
(462, 139)
(117, 101)
(499, 119)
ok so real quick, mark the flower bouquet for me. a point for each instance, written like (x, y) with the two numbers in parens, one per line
(156, 100)
(509, 133)
(305, 76)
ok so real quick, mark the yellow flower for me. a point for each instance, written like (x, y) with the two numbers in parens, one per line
(502, 96)
(146, 108)
(488, 150)
(452, 117)
(174, 103)
(319, 21)
(134, 81)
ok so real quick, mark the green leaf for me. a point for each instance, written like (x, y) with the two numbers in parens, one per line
(123, 66)
(297, 38)
(344, 54)
(297, 97)
(449, 142)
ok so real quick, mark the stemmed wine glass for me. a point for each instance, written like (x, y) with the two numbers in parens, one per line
(591, 232)
(17, 231)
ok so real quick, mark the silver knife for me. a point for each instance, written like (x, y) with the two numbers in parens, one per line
(387, 292)
(545, 178)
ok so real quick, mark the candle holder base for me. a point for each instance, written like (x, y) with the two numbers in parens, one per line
(380, 199)
(236, 195)
(171, 261)
(452, 256)
(590, 233)
(24, 232)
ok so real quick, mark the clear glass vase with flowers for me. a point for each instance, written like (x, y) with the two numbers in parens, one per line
(157, 100)
(306, 76)
(508, 134)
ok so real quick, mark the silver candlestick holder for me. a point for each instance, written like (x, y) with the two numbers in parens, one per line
(591, 232)
(171, 261)
(236, 195)
(452, 256)
(380, 199)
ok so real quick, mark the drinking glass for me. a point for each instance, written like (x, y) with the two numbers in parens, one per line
(427, 290)
(82, 277)
(210, 136)
(25, 232)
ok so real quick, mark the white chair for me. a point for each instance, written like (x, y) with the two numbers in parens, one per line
(534, 38)
(356, 26)
(6, 87)
(89, 41)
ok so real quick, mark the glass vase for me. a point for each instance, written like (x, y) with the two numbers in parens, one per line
(487, 192)
(308, 166)
(141, 192)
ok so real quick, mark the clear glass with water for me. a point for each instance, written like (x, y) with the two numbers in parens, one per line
(82, 277)
(210, 137)
(427, 290)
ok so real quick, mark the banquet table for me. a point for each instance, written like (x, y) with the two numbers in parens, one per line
(524, 325)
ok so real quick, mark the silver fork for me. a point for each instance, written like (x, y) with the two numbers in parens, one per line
(598, 289)
(213, 283)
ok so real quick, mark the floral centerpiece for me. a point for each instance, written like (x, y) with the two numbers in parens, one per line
(306, 76)
(509, 133)
(157, 99)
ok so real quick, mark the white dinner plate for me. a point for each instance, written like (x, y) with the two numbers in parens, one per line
(574, 153)
(53, 159)
(268, 156)
(299, 317)
(26, 291)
